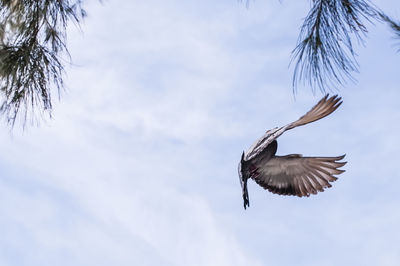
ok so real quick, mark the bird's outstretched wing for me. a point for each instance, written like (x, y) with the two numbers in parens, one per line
(323, 108)
(298, 176)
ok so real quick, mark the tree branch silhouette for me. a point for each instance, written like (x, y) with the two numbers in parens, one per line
(325, 56)
(32, 48)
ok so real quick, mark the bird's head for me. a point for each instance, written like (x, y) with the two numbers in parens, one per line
(243, 180)
(241, 168)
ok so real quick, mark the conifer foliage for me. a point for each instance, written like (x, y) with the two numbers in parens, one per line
(33, 49)
(32, 54)
(325, 55)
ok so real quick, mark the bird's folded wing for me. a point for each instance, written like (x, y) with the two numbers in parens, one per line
(297, 175)
(323, 108)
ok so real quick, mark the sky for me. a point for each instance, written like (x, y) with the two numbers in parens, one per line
(139, 164)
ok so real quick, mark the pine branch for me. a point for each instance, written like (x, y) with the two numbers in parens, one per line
(394, 25)
(32, 47)
(325, 55)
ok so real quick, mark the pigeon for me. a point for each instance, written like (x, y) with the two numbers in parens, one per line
(292, 174)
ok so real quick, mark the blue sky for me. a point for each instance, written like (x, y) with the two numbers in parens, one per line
(139, 164)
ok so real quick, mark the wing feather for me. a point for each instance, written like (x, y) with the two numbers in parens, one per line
(297, 175)
(310, 186)
(323, 108)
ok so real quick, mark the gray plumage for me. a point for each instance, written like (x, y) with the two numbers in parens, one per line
(291, 174)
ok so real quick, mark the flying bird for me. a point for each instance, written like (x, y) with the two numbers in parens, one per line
(292, 174)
